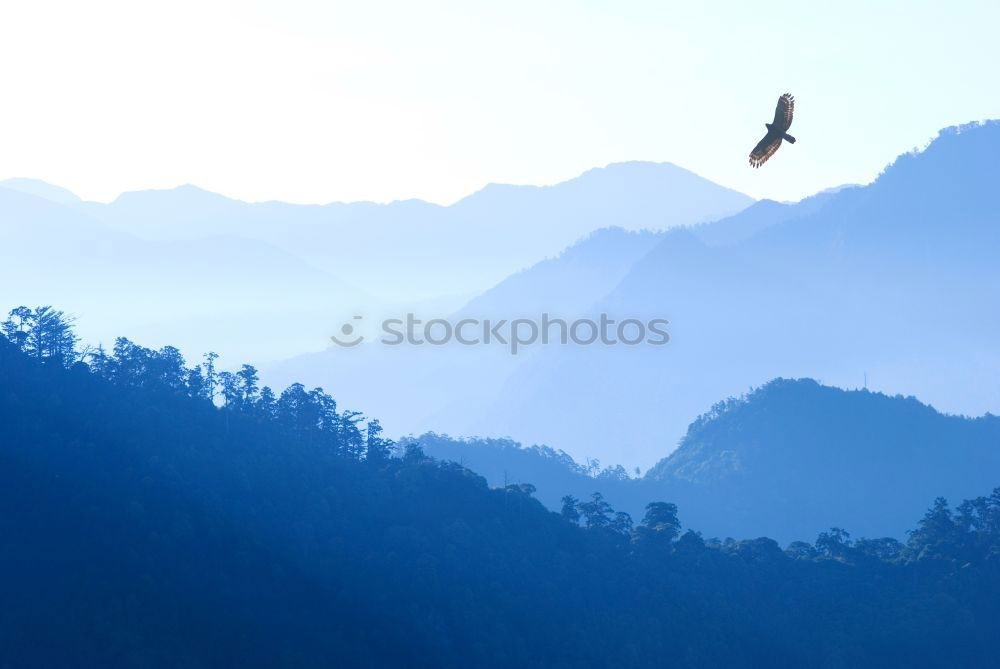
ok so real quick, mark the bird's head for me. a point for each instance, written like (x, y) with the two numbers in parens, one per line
(767, 125)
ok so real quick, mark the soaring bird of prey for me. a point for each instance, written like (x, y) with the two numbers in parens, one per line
(777, 130)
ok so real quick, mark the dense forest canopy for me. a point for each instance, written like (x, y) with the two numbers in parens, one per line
(164, 515)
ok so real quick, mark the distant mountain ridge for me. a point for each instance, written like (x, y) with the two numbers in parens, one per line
(41, 189)
(178, 291)
(570, 283)
(473, 243)
(758, 216)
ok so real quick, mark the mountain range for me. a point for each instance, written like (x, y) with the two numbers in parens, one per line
(886, 285)
(266, 281)
(413, 250)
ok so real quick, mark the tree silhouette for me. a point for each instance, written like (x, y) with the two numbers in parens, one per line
(596, 512)
(661, 520)
(43, 333)
(570, 509)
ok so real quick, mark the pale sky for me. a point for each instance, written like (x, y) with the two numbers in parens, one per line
(317, 101)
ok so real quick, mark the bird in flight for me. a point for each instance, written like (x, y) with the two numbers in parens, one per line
(777, 130)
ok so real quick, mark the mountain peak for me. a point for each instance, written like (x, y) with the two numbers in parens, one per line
(795, 456)
(772, 424)
(41, 189)
(634, 195)
(188, 194)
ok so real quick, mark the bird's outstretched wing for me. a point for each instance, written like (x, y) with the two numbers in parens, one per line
(765, 148)
(783, 113)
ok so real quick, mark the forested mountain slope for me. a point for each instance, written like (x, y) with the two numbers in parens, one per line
(144, 525)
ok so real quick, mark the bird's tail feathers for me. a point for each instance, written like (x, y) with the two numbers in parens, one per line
(788, 138)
